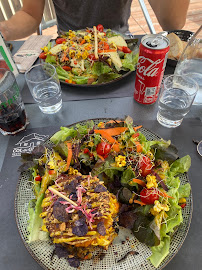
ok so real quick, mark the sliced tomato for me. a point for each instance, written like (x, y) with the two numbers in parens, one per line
(145, 165)
(103, 45)
(67, 68)
(126, 49)
(100, 27)
(149, 196)
(103, 149)
(42, 55)
(91, 57)
(60, 40)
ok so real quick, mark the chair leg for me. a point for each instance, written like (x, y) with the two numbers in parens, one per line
(39, 30)
(147, 17)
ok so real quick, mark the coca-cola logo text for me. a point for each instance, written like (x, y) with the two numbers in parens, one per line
(151, 70)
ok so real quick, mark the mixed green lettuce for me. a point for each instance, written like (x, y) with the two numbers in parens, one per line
(145, 228)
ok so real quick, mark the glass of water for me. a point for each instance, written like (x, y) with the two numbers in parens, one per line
(44, 85)
(190, 63)
(175, 100)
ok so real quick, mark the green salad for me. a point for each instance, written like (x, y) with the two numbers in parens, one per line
(142, 174)
(91, 56)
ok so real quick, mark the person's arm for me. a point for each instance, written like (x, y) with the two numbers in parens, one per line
(24, 22)
(171, 14)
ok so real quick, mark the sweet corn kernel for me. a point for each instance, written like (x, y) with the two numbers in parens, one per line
(91, 144)
(150, 154)
(84, 54)
(72, 171)
(71, 53)
(120, 161)
(101, 124)
(158, 207)
(151, 181)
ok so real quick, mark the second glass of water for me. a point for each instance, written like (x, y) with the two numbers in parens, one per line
(44, 86)
(177, 95)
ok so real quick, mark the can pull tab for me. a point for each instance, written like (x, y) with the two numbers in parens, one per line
(155, 42)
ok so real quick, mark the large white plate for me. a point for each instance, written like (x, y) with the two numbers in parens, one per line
(42, 251)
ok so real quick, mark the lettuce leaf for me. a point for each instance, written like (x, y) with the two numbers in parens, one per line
(107, 77)
(180, 165)
(100, 68)
(160, 252)
(84, 129)
(129, 61)
(50, 59)
(184, 190)
(127, 176)
(63, 134)
(107, 168)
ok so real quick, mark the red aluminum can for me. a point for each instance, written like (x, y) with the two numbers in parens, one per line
(151, 64)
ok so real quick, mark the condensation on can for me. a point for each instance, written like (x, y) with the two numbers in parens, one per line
(152, 60)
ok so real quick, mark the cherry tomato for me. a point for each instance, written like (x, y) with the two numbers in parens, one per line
(103, 148)
(67, 68)
(87, 151)
(149, 196)
(91, 57)
(38, 178)
(183, 205)
(126, 49)
(145, 165)
(103, 45)
(60, 40)
(51, 172)
(42, 55)
(100, 27)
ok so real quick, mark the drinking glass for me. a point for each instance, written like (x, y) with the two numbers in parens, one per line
(13, 118)
(175, 100)
(44, 85)
(190, 63)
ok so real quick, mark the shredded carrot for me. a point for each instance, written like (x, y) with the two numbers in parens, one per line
(139, 202)
(109, 138)
(116, 148)
(82, 42)
(101, 157)
(136, 128)
(63, 58)
(115, 131)
(105, 51)
(164, 194)
(106, 136)
(138, 147)
(88, 47)
(139, 182)
(64, 55)
(69, 157)
(113, 121)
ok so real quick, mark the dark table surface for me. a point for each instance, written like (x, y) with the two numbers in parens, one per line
(13, 254)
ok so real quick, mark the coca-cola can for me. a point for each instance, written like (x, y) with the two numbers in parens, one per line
(153, 53)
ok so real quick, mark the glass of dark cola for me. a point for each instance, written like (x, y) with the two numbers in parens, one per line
(13, 118)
